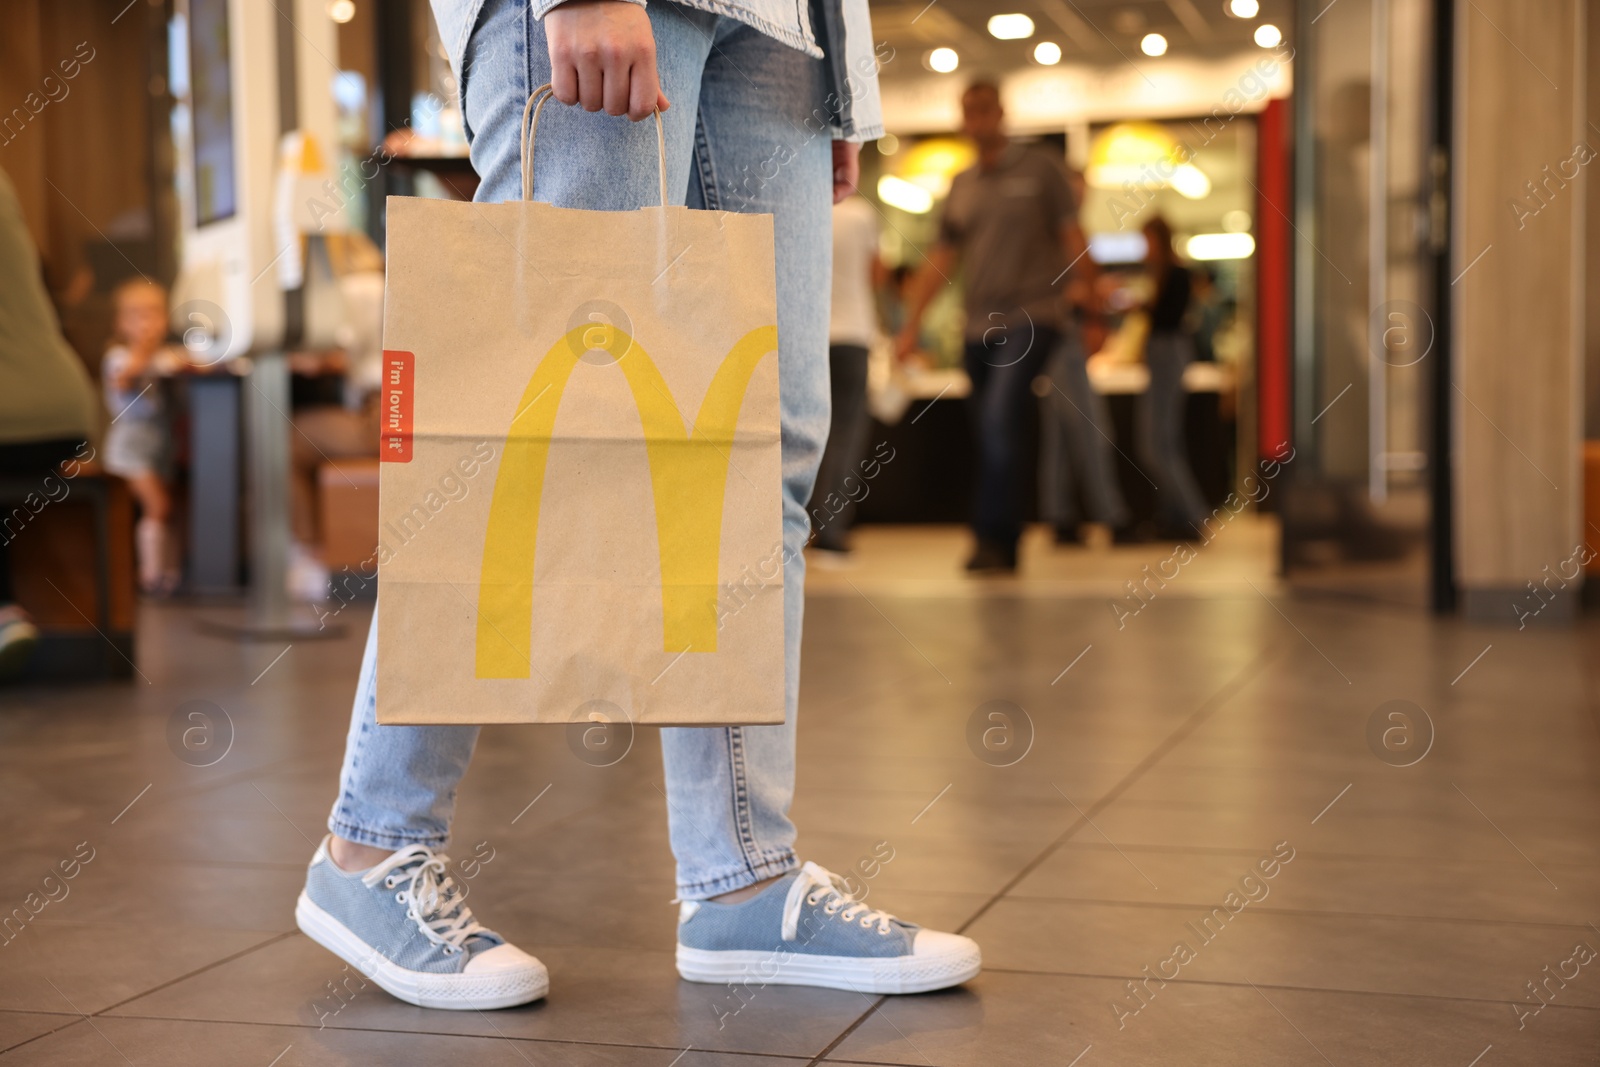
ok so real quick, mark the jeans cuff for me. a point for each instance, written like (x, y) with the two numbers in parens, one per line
(360, 835)
(771, 866)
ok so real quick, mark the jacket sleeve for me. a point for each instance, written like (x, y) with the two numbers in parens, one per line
(846, 28)
(541, 8)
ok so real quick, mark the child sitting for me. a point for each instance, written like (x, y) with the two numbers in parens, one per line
(138, 444)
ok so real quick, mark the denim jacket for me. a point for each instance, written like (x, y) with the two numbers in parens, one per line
(843, 27)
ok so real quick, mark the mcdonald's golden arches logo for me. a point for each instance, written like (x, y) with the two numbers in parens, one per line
(688, 477)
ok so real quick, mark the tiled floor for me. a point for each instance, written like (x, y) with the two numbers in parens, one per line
(1226, 723)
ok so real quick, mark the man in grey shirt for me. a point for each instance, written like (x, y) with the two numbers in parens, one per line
(1012, 221)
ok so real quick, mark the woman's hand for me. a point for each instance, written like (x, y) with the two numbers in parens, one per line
(603, 56)
(846, 169)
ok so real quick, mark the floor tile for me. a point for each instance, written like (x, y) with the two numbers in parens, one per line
(1016, 1018)
(1422, 957)
(156, 1042)
(620, 996)
(1506, 890)
(19, 1026)
(57, 966)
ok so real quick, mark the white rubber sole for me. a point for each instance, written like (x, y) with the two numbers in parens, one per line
(893, 974)
(461, 992)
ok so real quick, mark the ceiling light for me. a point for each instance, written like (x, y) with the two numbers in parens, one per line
(1267, 35)
(1047, 53)
(342, 11)
(1236, 221)
(1207, 246)
(1010, 27)
(1243, 9)
(1190, 182)
(1153, 45)
(943, 60)
(907, 196)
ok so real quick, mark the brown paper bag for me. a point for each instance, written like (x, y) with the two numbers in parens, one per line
(580, 511)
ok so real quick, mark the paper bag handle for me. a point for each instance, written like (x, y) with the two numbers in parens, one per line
(530, 127)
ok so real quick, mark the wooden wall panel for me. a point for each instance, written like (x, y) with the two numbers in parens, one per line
(22, 150)
(82, 163)
(1592, 260)
(1520, 109)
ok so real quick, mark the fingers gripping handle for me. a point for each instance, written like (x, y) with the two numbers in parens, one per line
(530, 128)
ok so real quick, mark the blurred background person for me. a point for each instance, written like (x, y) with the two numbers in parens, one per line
(1209, 310)
(1075, 435)
(1075, 448)
(139, 444)
(1169, 348)
(852, 328)
(1010, 221)
(46, 404)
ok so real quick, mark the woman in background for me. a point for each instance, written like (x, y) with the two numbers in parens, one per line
(852, 327)
(1180, 509)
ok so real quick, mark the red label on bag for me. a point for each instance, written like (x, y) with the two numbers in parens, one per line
(394, 442)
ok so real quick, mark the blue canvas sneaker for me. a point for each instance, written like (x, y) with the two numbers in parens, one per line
(807, 929)
(405, 925)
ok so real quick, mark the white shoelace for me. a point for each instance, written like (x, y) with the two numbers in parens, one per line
(816, 884)
(433, 900)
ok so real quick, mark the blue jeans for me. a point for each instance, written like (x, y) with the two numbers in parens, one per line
(1076, 429)
(1178, 498)
(741, 136)
(1002, 366)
